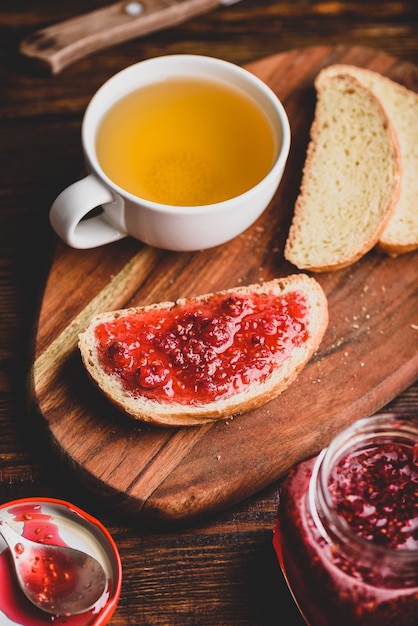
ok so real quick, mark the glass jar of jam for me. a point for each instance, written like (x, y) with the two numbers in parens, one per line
(346, 533)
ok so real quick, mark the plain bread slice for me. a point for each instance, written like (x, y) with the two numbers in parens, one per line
(351, 178)
(401, 105)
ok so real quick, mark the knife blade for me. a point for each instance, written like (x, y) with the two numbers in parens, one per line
(59, 45)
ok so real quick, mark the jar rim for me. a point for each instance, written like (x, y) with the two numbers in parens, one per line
(360, 433)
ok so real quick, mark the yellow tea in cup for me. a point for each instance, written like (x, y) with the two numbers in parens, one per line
(167, 134)
(186, 142)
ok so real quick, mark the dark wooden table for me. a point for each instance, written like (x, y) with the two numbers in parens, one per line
(221, 571)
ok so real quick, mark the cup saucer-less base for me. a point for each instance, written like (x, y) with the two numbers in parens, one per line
(60, 523)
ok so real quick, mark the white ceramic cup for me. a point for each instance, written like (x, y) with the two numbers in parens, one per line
(169, 227)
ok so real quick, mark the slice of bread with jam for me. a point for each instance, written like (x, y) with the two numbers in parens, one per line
(207, 357)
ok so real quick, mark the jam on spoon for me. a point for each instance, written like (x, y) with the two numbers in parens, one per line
(57, 579)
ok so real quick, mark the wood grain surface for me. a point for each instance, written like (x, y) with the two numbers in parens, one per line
(220, 571)
(368, 355)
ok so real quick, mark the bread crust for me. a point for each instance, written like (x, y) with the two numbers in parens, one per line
(333, 224)
(255, 395)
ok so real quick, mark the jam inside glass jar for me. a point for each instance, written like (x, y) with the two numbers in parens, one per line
(346, 533)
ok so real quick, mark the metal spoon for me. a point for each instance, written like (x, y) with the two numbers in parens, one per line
(56, 579)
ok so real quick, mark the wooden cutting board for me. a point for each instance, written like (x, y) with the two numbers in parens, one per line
(368, 355)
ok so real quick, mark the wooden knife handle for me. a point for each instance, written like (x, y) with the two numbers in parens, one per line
(60, 45)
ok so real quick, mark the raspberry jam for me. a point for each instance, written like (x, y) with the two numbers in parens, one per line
(206, 351)
(346, 533)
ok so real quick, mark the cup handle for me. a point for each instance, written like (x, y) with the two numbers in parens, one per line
(74, 203)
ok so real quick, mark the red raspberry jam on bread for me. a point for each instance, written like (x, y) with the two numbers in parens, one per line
(209, 356)
(205, 351)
